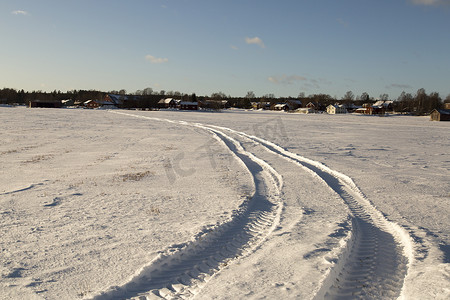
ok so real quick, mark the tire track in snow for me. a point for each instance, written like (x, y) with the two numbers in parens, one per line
(183, 273)
(32, 186)
(377, 257)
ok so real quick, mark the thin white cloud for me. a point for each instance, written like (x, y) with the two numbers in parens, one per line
(342, 22)
(256, 41)
(302, 81)
(285, 79)
(234, 47)
(398, 86)
(156, 60)
(20, 12)
(430, 2)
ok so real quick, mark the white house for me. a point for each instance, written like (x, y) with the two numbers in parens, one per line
(336, 109)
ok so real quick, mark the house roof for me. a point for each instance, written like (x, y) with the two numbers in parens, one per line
(280, 105)
(45, 101)
(165, 101)
(117, 99)
(100, 102)
(444, 111)
(384, 103)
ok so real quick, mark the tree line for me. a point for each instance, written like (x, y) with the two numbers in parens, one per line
(419, 104)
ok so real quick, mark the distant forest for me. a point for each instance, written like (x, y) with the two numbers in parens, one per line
(420, 103)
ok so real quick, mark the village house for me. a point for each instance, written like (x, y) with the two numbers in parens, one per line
(364, 110)
(351, 107)
(313, 106)
(261, 105)
(92, 104)
(368, 109)
(336, 109)
(186, 105)
(440, 115)
(68, 102)
(167, 103)
(281, 106)
(387, 105)
(293, 104)
(214, 104)
(116, 100)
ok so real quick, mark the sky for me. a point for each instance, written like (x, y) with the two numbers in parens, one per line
(283, 47)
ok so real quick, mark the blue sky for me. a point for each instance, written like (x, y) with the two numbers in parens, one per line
(205, 46)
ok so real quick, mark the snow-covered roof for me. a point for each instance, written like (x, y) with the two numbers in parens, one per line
(117, 99)
(188, 103)
(280, 105)
(165, 101)
(384, 103)
(100, 102)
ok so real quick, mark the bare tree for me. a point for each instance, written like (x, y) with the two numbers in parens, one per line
(250, 95)
(365, 97)
(218, 96)
(384, 97)
(419, 101)
(447, 99)
(349, 96)
(147, 91)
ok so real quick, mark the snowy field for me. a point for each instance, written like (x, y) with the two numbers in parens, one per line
(99, 204)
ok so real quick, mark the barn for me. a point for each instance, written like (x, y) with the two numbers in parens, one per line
(45, 103)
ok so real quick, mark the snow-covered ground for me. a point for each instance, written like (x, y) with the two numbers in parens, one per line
(238, 204)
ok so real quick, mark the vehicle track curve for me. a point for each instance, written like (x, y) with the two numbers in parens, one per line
(183, 273)
(377, 257)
